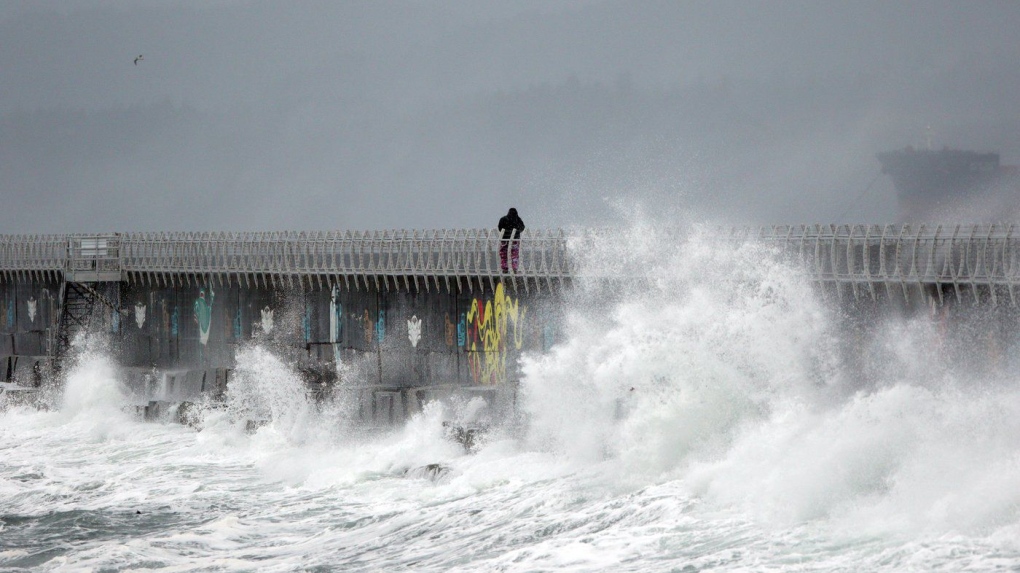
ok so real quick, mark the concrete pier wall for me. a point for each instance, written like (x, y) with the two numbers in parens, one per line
(29, 313)
(397, 338)
(180, 342)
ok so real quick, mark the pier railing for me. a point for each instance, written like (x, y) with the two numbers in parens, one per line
(460, 257)
(347, 257)
(862, 258)
(977, 258)
(33, 253)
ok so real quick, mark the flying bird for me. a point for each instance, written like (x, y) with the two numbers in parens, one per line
(138, 59)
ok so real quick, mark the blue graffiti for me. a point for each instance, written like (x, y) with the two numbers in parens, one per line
(173, 322)
(237, 323)
(115, 321)
(335, 314)
(462, 330)
(10, 314)
(380, 326)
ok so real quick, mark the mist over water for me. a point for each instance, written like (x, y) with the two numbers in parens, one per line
(719, 415)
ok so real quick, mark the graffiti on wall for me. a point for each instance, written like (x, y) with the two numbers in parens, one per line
(462, 330)
(32, 308)
(267, 320)
(335, 324)
(139, 314)
(451, 331)
(414, 330)
(203, 314)
(169, 319)
(374, 328)
(369, 327)
(493, 328)
(335, 314)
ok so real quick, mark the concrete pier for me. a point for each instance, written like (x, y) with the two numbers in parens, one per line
(408, 314)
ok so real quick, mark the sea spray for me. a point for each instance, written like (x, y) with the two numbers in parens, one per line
(725, 372)
(93, 391)
(712, 336)
(301, 438)
(266, 391)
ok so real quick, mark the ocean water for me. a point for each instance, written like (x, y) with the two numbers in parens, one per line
(708, 419)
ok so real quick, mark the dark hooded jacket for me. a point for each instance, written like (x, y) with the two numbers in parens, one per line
(510, 222)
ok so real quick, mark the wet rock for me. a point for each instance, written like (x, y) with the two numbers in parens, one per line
(189, 414)
(155, 410)
(252, 426)
(467, 436)
(431, 472)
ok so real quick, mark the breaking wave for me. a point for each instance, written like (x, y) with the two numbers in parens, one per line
(728, 373)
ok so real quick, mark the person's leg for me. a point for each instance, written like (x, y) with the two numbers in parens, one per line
(515, 254)
(502, 255)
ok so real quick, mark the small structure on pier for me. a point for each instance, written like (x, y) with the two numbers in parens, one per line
(951, 184)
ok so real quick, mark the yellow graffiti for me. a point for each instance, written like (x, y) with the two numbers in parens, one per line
(489, 325)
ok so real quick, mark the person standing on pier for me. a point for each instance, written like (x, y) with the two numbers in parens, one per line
(510, 228)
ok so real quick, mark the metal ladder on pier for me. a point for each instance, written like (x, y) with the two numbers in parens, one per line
(77, 301)
(91, 260)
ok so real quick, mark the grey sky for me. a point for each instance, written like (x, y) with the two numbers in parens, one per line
(366, 115)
